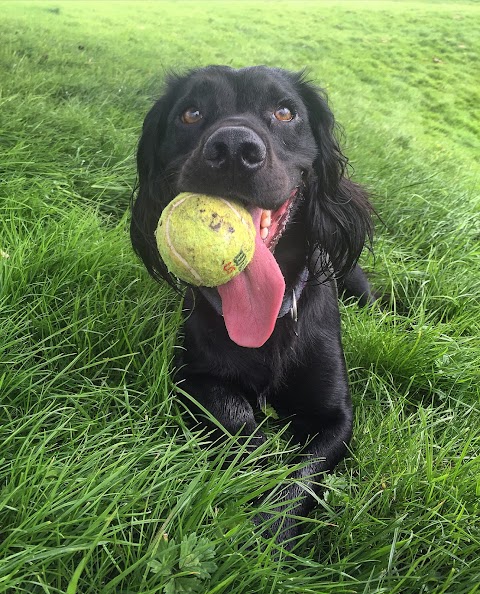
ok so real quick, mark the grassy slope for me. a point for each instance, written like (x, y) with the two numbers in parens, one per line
(96, 465)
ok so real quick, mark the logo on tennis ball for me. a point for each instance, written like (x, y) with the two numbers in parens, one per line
(240, 261)
(205, 240)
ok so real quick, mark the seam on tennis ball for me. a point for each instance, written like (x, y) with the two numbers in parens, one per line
(238, 214)
(193, 272)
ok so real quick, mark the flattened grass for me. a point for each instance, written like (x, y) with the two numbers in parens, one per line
(104, 487)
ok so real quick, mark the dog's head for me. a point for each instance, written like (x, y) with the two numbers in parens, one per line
(262, 136)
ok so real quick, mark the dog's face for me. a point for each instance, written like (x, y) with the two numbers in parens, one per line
(263, 136)
(241, 134)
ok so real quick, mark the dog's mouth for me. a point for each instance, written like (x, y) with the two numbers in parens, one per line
(272, 223)
(251, 301)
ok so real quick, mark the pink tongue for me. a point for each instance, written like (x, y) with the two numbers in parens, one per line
(251, 301)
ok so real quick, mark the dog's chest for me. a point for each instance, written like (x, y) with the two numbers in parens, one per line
(209, 350)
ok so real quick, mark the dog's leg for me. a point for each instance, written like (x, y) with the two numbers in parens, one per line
(318, 405)
(356, 284)
(225, 402)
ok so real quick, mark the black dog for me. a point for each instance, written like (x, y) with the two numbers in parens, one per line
(264, 137)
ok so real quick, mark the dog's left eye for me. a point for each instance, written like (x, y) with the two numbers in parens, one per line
(192, 115)
(284, 114)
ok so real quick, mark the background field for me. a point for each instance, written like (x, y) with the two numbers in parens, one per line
(103, 486)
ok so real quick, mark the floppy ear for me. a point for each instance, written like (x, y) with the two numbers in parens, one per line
(154, 191)
(339, 213)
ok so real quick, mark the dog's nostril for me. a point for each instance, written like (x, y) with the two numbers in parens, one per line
(252, 154)
(216, 153)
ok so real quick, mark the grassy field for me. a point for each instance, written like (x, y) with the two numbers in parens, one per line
(104, 488)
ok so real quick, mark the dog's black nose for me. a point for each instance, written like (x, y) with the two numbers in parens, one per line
(235, 147)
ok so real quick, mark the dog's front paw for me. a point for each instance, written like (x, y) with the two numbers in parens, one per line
(281, 528)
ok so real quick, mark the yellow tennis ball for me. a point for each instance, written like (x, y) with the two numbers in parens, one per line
(205, 240)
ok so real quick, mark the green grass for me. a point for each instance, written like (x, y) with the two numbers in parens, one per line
(104, 487)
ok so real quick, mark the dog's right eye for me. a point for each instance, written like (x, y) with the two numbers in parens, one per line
(192, 115)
